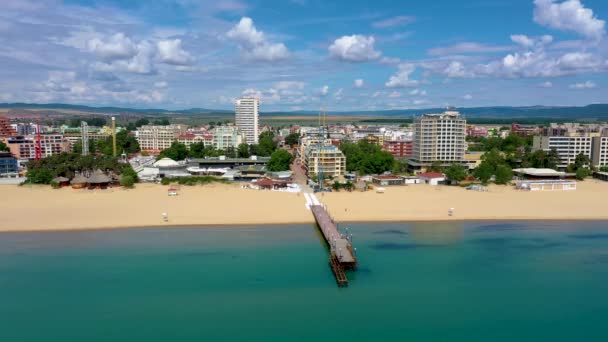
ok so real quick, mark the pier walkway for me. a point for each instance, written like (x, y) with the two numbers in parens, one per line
(342, 255)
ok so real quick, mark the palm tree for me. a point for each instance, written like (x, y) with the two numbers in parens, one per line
(336, 186)
(349, 186)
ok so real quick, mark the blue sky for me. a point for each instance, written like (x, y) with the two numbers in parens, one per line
(304, 54)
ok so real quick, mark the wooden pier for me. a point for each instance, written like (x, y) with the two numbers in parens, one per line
(342, 256)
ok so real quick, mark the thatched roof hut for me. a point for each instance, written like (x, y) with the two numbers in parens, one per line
(60, 180)
(79, 179)
(99, 177)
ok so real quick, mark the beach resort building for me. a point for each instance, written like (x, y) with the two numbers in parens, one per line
(326, 159)
(190, 138)
(8, 165)
(247, 118)
(571, 139)
(438, 138)
(307, 141)
(524, 130)
(225, 137)
(399, 148)
(599, 151)
(154, 138)
(24, 147)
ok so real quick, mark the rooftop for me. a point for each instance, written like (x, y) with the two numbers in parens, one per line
(539, 172)
(432, 175)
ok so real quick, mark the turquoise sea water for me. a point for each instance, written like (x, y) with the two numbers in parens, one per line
(492, 281)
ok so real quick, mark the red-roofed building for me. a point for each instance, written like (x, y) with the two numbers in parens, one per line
(525, 130)
(477, 131)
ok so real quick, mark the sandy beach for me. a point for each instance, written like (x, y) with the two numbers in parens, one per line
(42, 208)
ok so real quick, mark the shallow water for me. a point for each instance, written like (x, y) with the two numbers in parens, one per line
(482, 281)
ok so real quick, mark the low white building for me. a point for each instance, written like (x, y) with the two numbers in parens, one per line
(432, 178)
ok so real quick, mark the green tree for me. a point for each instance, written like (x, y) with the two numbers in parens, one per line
(456, 172)
(349, 186)
(336, 186)
(366, 158)
(435, 167)
(243, 151)
(399, 167)
(292, 139)
(39, 176)
(162, 122)
(3, 147)
(280, 160)
(582, 173)
(494, 158)
(483, 172)
(142, 122)
(196, 150)
(177, 151)
(582, 161)
(503, 174)
(127, 181)
(266, 144)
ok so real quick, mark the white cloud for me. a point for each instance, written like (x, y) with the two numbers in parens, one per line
(358, 83)
(252, 93)
(171, 52)
(569, 15)
(390, 60)
(418, 92)
(141, 63)
(253, 44)
(546, 84)
(455, 70)
(466, 47)
(468, 97)
(355, 48)
(117, 46)
(402, 77)
(324, 90)
(394, 21)
(530, 42)
(394, 94)
(161, 84)
(582, 86)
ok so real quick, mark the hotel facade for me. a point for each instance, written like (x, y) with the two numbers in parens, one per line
(247, 118)
(438, 138)
(571, 139)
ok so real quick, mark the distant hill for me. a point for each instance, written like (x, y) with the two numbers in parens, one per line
(593, 111)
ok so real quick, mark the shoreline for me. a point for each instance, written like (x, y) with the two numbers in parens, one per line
(276, 225)
(40, 208)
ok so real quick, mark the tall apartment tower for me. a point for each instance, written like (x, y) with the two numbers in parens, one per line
(438, 138)
(247, 115)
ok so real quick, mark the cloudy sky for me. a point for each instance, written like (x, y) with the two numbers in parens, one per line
(304, 54)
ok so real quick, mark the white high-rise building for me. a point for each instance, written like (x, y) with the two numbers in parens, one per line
(247, 116)
(438, 138)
